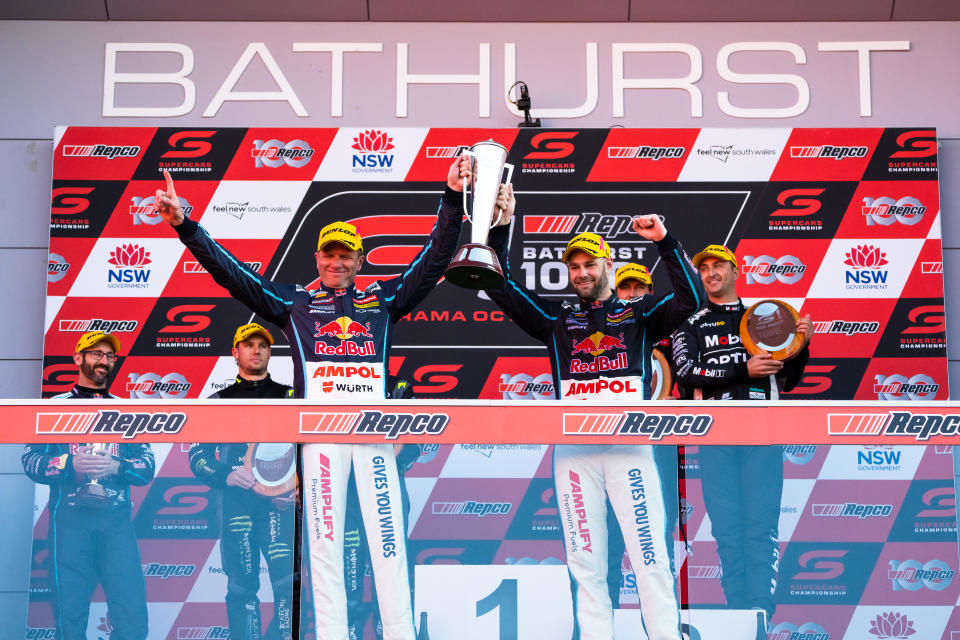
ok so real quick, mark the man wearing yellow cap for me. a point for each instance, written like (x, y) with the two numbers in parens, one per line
(251, 523)
(600, 349)
(92, 538)
(742, 485)
(340, 340)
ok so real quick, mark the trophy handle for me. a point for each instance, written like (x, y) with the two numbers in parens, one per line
(466, 187)
(509, 168)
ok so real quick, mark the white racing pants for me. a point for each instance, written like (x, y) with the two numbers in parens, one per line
(326, 470)
(585, 475)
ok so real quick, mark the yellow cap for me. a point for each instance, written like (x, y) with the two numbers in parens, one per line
(587, 242)
(87, 340)
(635, 271)
(248, 330)
(715, 251)
(342, 232)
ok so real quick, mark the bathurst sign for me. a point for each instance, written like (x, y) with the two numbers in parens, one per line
(484, 422)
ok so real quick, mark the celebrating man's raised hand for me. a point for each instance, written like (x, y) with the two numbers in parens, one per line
(167, 203)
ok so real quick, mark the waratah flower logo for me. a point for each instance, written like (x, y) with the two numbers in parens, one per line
(373, 141)
(865, 257)
(129, 255)
(892, 625)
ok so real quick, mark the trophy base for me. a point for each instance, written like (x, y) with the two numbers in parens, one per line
(475, 267)
(92, 496)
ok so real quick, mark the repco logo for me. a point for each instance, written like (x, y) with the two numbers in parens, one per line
(636, 423)
(275, 153)
(189, 144)
(144, 210)
(911, 575)
(150, 386)
(108, 151)
(798, 202)
(885, 210)
(644, 152)
(828, 151)
(767, 269)
(551, 146)
(388, 425)
(130, 425)
(898, 387)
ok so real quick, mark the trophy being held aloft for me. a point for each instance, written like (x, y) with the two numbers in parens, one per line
(92, 494)
(475, 265)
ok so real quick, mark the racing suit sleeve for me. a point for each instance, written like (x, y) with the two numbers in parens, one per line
(206, 467)
(403, 293)
(137, 464)
(532, 313)
(793, 370)
(664, 314)
(693, 373)
(271, 300)
(47, 464)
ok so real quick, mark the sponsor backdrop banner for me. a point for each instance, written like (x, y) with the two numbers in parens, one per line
(842, 223)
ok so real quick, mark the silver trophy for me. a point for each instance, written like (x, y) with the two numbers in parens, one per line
(475, 265)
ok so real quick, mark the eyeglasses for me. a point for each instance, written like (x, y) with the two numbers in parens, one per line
(100, 355)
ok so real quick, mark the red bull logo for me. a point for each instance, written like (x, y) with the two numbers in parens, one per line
(595, 345)
(345, 329)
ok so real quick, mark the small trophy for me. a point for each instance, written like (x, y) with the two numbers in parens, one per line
(771, 326)
(661, 382)
(92, 494)
(475, 265)
(274, 465)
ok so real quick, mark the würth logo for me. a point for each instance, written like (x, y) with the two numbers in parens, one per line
(129, 255)
(127, 425)
(636, 423)
(374, 423)
(894, 423)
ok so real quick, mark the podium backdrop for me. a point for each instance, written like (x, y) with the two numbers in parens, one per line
(842, 223)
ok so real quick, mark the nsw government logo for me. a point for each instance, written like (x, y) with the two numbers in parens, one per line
(865, 273)
(130, 261)
(372, 146)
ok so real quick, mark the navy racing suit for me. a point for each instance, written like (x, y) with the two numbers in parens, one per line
(340, 341)
(742, 485)
(251, 524)
(601, 350)
(93, 545)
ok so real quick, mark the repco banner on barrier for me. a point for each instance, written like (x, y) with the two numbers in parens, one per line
(486, 422)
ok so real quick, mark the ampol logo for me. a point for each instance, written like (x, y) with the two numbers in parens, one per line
(765, 269)
(885, 210)
(130, 260)
(57, 267)
(373, 146)
(276, 153)
(865, 274)
(144, 210)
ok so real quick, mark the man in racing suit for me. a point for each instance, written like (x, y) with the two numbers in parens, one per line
(251, 523)
(93, 541)
(340, 340)
(742, 485)
(600, 348)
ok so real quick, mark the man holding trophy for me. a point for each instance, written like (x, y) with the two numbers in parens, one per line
(258, 484)
(327, 328)
(599, 348)
(92, 539)
(742, 485)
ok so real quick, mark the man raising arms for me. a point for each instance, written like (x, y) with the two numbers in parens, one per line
(328, 328)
